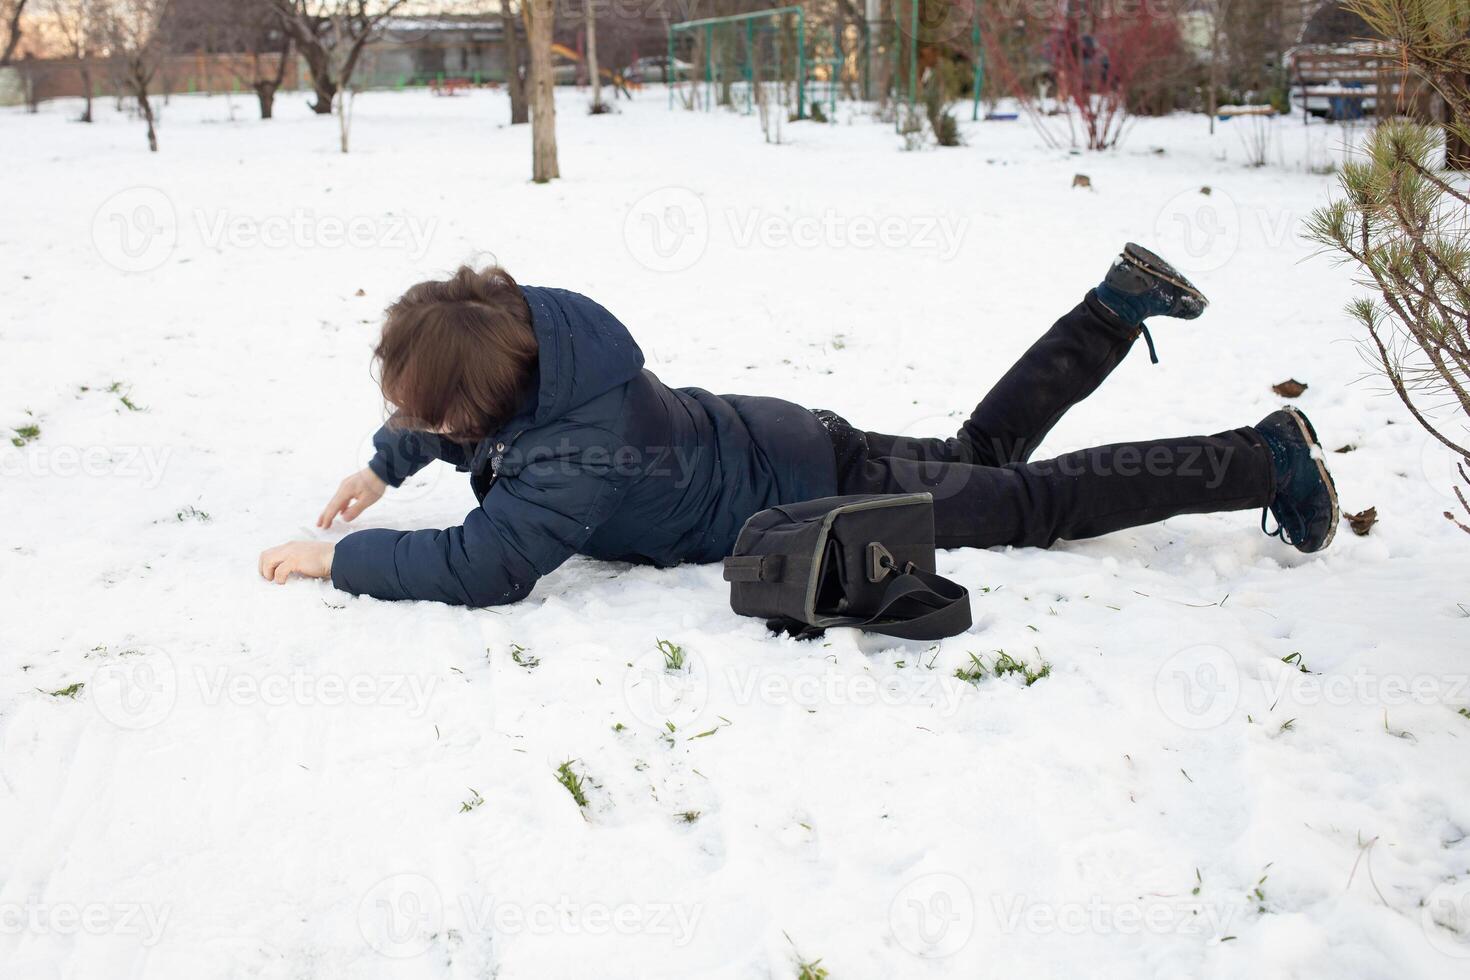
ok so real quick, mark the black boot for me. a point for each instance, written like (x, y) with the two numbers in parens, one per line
(1140, 285)
(1305, 503)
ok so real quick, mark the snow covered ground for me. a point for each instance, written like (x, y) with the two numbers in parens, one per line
(203, 775)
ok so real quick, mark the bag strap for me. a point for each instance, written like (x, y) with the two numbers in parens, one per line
(947, 604)
(754, 568)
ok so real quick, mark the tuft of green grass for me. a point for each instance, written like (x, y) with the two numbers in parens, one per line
(689, 816)
(1464, 712)
(1295, 659)
(70, 691)
(573, 783)
(811, 971)
(523, 658)
(192, 513)
(25, 434)
(1006, 664)
(475, 800)
(674, 657)
(130, 405)
(973, 672)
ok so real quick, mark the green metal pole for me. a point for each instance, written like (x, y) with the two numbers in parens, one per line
(709, 31)
(670, 73)
(750, 66)
(979, 68)
(832, 81)
(800, 63)
(913, 51)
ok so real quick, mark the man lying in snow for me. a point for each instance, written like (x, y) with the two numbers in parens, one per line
(573, 448)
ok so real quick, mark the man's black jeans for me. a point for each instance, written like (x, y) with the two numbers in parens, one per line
(987, 492)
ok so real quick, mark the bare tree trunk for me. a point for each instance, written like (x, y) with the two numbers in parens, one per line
(266, 88)
(591, 7)
(515, 85)
(1456, 150)
(1212, 97)
(539, 16)
(139, 79)
(12, 33)
(344, 117)
(86, 72)
(322, 82)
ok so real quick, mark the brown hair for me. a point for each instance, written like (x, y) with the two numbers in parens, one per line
(456, 355)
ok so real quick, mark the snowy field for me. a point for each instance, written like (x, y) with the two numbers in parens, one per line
(1243, 761)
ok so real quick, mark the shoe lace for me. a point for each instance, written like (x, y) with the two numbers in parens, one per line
(1277, 509)
(1148, 338)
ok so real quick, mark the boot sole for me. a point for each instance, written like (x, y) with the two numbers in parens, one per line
(1310, 434)
(1152, 264)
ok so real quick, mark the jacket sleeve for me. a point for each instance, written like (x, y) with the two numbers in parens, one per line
(527, 525)
(400, 453)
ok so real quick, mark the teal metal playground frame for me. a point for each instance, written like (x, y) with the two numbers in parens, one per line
(708, 25)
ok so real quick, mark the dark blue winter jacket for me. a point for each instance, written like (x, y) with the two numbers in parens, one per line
(601, 460)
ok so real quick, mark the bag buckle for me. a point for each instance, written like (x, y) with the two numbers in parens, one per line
(880, 562)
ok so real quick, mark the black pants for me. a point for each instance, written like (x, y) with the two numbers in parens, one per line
(987, 492)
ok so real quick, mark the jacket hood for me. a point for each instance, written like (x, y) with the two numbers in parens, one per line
(585, 351)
